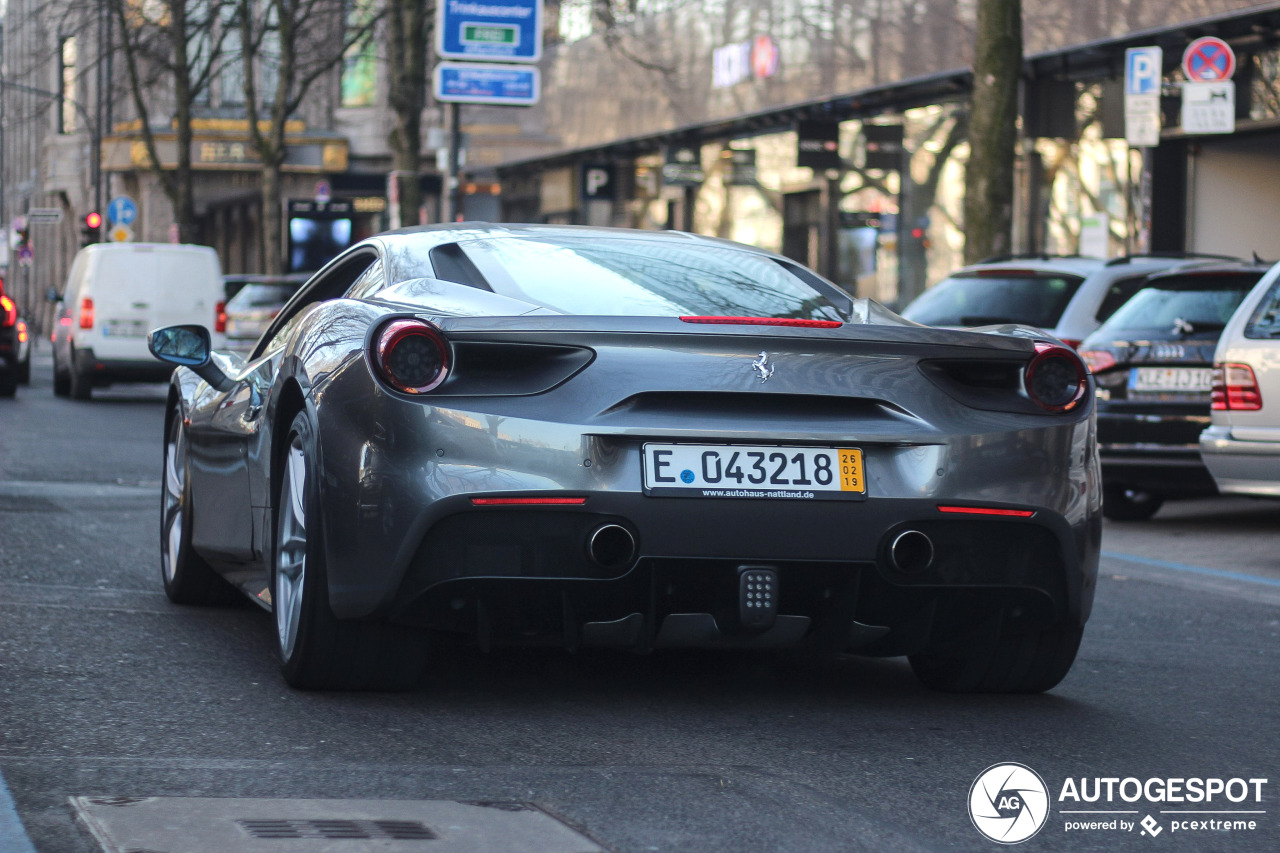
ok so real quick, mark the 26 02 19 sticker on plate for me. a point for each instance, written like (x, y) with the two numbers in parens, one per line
(754, 471)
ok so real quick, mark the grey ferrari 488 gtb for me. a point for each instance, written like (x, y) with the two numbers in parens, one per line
(638, 440)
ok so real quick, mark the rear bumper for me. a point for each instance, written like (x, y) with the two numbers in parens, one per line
(1169, 470)
(104, 371)
(1153, 447)
(1241, 467)
(525, 575)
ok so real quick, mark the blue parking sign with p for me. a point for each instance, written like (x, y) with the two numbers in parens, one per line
(1143, 71)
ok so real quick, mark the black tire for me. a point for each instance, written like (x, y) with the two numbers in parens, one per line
(991, 659)
(317, 650)
(61, 377)
(8, 382)
(81, 384)
(187, 578)
(24, 370)
(1121, 503)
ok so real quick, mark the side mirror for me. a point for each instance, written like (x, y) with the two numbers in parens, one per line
(188, 346)
(52, 295)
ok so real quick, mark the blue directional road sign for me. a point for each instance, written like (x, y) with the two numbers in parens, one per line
(1142, 70)
(482, 83)
(502, 30)
(122, 210)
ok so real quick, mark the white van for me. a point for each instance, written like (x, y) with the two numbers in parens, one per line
(118, 292)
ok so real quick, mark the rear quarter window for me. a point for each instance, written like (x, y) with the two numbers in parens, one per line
(1265, 322)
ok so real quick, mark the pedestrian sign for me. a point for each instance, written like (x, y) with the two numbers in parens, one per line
(1209, 60)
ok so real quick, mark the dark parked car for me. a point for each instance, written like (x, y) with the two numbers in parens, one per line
(15, 346)
(598, 437)
(1153, 363)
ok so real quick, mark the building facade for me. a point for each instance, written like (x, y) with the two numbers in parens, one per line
(882, 88)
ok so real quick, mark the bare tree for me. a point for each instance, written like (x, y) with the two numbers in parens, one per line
(409, 32)
(993, 134)
(175, 43)
(300, 41)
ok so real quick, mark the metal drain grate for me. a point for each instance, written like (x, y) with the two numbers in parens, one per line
(360, 830)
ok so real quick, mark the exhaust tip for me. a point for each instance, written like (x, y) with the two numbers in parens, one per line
(611, 546)
(911, 552)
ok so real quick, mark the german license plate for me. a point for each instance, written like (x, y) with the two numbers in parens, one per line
(1188, 380)
(124, 329)
(754, 471)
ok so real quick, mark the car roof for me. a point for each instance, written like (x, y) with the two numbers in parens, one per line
(1053, 265)
(262, 278)
(1211, 268)
(1087, 267)
(455, 231)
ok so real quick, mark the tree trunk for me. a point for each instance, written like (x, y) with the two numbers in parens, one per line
(407, 37)
(997, 65)
(272, 220)
(184, 208)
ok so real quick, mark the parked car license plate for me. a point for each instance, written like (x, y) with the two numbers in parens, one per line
(754, 471)
(124, 329)
(1171, 379)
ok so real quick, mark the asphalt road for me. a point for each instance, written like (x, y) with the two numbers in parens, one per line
(108, 690)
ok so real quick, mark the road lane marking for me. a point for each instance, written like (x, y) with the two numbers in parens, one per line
(13, 836)
(1197, 570)
(70, 490)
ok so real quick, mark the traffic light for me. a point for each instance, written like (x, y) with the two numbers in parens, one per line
(90, 228)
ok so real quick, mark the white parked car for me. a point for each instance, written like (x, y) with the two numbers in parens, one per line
(1068, 297)
(1241, 447)
(118, 292)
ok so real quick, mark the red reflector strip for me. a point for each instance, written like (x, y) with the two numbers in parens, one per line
(984, 510)
(528, 501)
(764, 321)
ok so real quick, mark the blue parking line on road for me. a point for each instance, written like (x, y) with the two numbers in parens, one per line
(1196, 570)
(13, 837)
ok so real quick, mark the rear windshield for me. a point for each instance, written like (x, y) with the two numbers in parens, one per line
(600, 276)
(982, 299)
(261, 296)
(1205, 302)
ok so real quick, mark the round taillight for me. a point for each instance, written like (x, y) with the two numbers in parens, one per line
(1055, 378)
(412, 356)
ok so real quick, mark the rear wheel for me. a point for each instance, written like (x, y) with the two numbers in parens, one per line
(187, 578)
(1121, 503)
(8, 383)
(993, 659)
(317, 650)
(61, 376)
(80, 383)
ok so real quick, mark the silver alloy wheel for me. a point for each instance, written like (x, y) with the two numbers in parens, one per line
(291, 548)
(175, 478)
